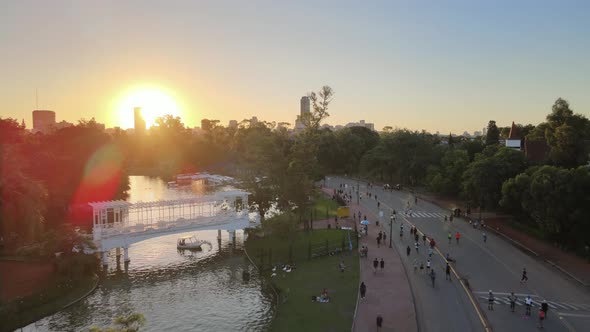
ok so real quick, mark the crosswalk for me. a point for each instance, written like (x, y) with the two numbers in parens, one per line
(502, 298)
(422, 214)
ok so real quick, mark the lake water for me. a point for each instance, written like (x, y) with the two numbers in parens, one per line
(175, 291)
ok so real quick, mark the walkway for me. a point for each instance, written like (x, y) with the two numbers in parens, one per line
(388, 291)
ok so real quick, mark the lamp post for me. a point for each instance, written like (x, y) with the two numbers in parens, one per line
(391, 218)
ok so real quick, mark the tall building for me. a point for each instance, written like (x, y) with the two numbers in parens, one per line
(139, 121)
(232, 124)
(303, 112)
(43, 121)
(304, 105)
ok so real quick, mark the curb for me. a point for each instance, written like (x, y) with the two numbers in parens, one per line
(96, 279)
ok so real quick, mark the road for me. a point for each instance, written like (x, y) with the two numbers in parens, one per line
(494, 265)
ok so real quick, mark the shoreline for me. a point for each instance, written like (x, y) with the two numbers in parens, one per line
(46, 308)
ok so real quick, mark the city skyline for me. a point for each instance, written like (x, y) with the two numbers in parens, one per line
(440, 67)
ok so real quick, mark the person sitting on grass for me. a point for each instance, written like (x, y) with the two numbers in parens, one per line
(341, 266)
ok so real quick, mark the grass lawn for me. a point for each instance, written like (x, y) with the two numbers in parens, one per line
(272, 250)
(298, 313)
(323, 204)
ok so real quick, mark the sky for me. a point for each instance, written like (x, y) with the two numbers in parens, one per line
(445, 66)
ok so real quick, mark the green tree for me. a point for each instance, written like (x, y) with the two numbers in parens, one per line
(556, 199)
(446, 179)
(483, 179)
(493, 133)
(320, 102)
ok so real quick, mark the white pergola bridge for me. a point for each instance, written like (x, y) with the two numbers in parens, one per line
(118, 224)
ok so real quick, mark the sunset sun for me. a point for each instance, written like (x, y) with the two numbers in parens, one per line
(154, 102)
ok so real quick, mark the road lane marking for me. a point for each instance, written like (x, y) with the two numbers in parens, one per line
(475, 306)
(567, 314)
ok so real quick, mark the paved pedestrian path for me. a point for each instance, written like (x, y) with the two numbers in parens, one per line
(388, 290)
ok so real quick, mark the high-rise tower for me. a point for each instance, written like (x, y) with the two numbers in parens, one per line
(139, 121)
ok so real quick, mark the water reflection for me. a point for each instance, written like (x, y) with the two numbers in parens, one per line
(179, 291)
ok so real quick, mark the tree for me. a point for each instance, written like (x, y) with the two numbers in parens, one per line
(22, 199)
(493, 133)
(556, 199)
(446, 179)
(259, 164)
(483, 179)
(567, 135)
(354, 143)
(320, 102)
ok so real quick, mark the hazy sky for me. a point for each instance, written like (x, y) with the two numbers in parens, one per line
(434, 65)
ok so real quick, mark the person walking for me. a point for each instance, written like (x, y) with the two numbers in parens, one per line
(545, 307)
(379, 323)
(416, 237)
(512, 299)
(382, 263)
(430, 252)
(424, 239)
(524, 277)
(491, 300)
(457, 237)
(417, 246)
(448, 272)
(408, 251)
(379, 241)
(384, 237)
(528, 302)
(415, 265)
(363, 290)
(450, 236)
(421, 267)
(541, 318)
(428, 265)
(485, 237)
(375, 265)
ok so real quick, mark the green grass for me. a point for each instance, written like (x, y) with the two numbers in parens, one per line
(323, 204)
(297, 312)
(271, 250)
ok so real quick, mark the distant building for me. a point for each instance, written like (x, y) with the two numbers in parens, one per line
(304, 111)
(43, 121)
(139, 121)
(232, 124)
(466, 134)
(514, 140)
(361, 123)
(253, 121)
(477, 133)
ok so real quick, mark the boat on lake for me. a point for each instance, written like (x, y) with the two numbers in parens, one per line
(190, 243)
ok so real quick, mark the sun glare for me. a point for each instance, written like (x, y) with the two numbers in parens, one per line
(154, 102)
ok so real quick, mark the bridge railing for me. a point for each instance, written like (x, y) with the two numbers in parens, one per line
(129, 228)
